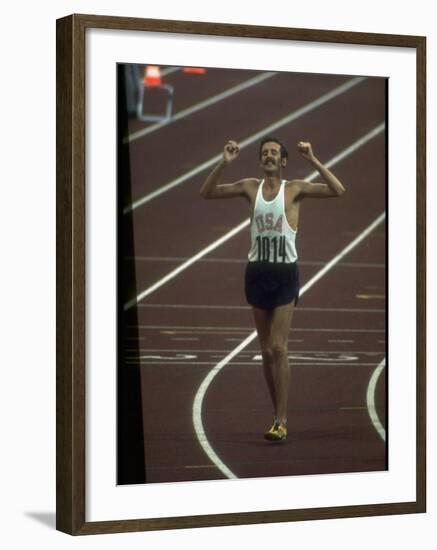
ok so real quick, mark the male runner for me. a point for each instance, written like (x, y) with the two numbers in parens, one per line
(272, 277)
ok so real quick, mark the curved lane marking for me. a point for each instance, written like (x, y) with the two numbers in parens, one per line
(198, 400)
(370, 399)
(197, 408)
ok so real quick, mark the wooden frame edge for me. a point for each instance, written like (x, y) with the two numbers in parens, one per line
(63, 275)
(246, 518)
(246, 31)
(421, 464)
(70, 277)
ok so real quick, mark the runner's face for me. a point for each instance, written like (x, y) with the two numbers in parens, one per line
(271, 157)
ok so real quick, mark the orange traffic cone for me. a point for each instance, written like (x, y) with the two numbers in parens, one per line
(152, 76)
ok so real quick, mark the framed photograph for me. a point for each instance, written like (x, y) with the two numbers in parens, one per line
(257, 360)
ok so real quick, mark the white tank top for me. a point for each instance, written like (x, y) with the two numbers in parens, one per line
(272, 238)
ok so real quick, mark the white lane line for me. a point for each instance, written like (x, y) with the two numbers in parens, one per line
(190, 327)
(351, 149)
(248, 141)
(169, 329)
(161, 363)
(334, 160)
(182, 258)
(201, 105)
(370, 399)
(197, 408)
(186, 264)
(342, 309)
(343, 253)
(242, 261)
(191, 306)
(198, 400)
(250, 353)
(309, 309)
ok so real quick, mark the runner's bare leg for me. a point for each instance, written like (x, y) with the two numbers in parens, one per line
(263, 322)
(281, 321)
(273, 327)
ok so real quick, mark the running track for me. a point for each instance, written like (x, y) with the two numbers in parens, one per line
(205, 404)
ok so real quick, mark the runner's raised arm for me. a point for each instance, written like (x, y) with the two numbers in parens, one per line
(333, 186)
(212, 189)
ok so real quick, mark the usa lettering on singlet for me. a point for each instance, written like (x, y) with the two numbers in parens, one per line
(272, 238)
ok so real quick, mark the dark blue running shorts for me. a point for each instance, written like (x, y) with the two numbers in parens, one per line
(269, 285)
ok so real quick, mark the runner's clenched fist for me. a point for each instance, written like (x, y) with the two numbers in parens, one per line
(231, 151)
(305, 149)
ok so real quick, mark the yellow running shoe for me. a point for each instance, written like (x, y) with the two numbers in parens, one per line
(276, 433)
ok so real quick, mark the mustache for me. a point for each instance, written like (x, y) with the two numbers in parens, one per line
(269, 160)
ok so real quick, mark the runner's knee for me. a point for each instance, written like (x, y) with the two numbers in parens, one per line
(279, 349)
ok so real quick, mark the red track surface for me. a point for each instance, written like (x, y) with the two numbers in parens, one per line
(193, 321)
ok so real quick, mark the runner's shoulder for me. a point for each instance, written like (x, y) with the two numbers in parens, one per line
(251, 182)
(294, 183)
(250, 185)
